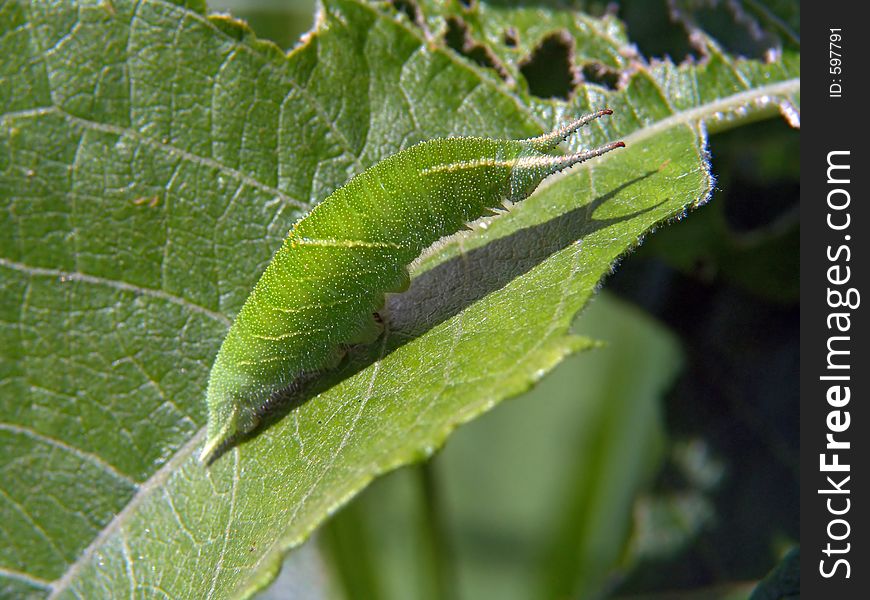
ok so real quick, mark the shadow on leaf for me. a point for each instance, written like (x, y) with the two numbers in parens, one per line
(444, 291)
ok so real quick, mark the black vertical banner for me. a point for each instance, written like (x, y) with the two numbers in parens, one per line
(835, 368)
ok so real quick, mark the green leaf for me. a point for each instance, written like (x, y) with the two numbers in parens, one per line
(536, 499)
(152, 159)
(386, 543)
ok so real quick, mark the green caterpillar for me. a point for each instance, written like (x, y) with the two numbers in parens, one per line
(322, 288)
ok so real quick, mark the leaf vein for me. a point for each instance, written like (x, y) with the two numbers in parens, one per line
(25, 578)
(115, 284)
(169, 149)
(83, 455)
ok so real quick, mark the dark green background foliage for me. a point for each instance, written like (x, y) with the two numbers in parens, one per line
(151, 161)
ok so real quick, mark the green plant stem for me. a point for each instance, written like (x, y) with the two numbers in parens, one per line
(434, 532)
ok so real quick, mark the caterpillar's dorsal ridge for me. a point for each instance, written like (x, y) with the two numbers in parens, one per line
(319, 292)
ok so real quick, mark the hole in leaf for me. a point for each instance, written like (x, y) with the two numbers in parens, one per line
(511, 37)
(458, 38)
(549, 70)
(652, 30)
(600, 74)
(408, 8)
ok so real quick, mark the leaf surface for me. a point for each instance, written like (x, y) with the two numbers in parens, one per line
(152, 159)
